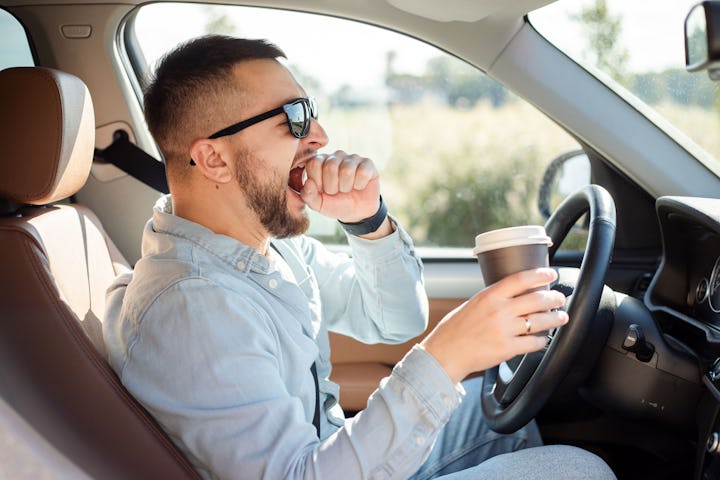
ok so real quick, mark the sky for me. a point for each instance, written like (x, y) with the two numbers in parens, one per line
(367, 45)
(657, 31)
(14, 49)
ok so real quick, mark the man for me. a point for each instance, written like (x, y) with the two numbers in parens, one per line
(221, 332)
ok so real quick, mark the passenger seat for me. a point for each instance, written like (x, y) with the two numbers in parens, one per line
(55, 263)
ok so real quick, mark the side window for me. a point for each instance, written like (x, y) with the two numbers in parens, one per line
(14, 46)
(459, 154)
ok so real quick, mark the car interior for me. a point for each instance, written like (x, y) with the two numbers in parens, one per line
(61, 259)
(634, 379)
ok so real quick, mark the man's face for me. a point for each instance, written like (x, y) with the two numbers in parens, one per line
(266, 195)
(266, 152)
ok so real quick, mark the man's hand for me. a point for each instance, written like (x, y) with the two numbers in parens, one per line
(491, 327)
(342, 186)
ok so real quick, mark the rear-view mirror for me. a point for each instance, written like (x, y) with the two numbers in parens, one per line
(702, 39)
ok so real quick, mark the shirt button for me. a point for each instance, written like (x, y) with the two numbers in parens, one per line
(272, 283)
(420, 441)
(446, 400)
(240, 265)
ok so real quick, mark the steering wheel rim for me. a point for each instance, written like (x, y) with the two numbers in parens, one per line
(538, 375)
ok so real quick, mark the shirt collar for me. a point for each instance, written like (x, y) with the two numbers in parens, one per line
(237, 254)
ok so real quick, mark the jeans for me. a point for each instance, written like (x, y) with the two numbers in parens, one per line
(466, 449)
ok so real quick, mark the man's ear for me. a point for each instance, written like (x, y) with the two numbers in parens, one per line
(208, 158)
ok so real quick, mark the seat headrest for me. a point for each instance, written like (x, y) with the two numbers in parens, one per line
(47, 135)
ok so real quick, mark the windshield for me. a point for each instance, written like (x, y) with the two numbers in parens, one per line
(637, 48)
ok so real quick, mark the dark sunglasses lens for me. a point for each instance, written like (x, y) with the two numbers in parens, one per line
(298, 119)
(313, 108)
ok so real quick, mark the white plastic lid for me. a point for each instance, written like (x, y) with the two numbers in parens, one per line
(511, 237)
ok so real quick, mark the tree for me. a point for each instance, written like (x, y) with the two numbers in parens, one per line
(462, 84)
(218, 22)
(462, 201)
(604, 30)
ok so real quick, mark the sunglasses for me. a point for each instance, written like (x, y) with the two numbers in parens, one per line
(298, 112)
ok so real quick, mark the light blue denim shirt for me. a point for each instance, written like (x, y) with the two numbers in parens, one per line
(217, 340)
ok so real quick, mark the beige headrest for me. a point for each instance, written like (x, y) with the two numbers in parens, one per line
(47, 135)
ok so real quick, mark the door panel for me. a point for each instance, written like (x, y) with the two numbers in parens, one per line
(358, 367)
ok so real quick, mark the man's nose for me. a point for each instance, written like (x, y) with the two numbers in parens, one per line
(317, 137)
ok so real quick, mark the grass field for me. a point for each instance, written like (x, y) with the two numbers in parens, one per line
(448, 174)
(433, 159)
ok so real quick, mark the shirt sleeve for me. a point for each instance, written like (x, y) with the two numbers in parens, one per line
(377, 293)
(216, 384)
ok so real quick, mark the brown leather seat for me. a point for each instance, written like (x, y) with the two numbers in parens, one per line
(55, 263)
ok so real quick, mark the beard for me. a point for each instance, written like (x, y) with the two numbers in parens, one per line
(266, 195)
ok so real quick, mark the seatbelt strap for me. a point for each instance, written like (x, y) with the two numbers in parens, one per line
(134, 161)
(313, 370)
(316, 417)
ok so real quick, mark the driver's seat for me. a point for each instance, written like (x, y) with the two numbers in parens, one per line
(55, 263)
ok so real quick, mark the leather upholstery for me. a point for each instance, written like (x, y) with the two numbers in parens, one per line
(25, 454)
(358, 368)
(47, 136)
(57, 262)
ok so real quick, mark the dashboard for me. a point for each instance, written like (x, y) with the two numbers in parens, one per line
(687, 284)
(703, 298)
(684, 298)
(677, 384)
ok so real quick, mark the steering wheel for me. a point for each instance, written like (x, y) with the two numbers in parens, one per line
(515, 391)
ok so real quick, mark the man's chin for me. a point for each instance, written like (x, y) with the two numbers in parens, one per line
(293, 224)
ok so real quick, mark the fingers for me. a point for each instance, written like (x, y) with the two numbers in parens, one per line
(518, 283)
(341, 172)
(527, 344)
(538, 322)
(311, 195)
(497, 324)
(537, 301)
(342, 186)
(514, 295)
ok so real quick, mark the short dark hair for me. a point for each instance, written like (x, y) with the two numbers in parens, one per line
(185, 82)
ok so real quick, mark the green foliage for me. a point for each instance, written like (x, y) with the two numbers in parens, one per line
(218, 22)
(455, 82)
(696, 43)
(575, 240)
(459, 203)
(603, 31)
(675, 85)
(450, 173)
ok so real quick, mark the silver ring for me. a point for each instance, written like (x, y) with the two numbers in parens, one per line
(528, 326)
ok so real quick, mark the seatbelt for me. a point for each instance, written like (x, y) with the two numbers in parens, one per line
(134, 161)
(316, 417)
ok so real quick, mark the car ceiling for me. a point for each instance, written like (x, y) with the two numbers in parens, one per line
(484, 25)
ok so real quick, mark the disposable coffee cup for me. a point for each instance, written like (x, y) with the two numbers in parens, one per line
(506, 251)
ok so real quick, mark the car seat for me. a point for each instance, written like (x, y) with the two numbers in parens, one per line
(55, 263)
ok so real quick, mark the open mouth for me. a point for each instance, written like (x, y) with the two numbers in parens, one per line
(297, 178)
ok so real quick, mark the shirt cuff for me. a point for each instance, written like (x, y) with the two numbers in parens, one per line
(423, 374)
(392, 245)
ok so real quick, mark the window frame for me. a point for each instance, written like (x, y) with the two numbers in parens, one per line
(30, 44)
